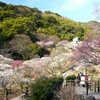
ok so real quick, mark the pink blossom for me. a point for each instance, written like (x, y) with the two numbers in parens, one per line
(88, 51)
(41, 43)
(48, 44)
(40, 63)
(16, 63)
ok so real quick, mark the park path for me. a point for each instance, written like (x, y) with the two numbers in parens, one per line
(82, 91)
(17, 98)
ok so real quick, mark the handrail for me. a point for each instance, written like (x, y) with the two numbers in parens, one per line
(93, 85)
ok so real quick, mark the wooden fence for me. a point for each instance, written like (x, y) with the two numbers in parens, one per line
(93, 85)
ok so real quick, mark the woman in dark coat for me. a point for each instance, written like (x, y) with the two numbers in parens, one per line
(78, 79)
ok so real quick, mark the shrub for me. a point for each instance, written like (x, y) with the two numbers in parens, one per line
(71, 77)
(70, 80)
(44, 88)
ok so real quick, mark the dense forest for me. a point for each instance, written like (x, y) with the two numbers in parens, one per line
(22, 27)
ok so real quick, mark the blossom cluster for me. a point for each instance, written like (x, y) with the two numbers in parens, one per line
(46, 44)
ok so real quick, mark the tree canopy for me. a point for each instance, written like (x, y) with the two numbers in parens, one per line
(17, 19)
(88, 51)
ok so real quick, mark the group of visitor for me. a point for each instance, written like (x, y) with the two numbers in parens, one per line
(82, 79)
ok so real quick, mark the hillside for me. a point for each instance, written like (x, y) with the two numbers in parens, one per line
(22, 27)
(94, 25)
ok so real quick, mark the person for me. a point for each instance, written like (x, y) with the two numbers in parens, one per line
(86, 81)
(27, 91)
(86, 77)
(82, 80)
(78, 77)
(81, 73)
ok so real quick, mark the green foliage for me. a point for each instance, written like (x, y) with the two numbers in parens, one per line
(36, 10)
(5, 14)
(20, 25)
(48, 12)
(71, 77)
(2, 41)
(43, 52)
(33, 49)
(2, 4)
(50, 21)
(43, 89)
(18, 19)
(36, 21)
(68, 37)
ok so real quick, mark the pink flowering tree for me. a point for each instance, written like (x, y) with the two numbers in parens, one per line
(88, 51)
(49, 43)
(17, 72)
(17, 63)
(22, 73)
(25, 72)
(22, 69)
(41, 43)
(45, 44)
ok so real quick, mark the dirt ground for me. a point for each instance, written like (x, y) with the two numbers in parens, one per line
(14, 93)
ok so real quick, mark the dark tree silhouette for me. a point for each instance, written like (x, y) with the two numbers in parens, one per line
(19, 44)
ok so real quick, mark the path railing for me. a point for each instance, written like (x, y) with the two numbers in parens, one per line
(92, 85)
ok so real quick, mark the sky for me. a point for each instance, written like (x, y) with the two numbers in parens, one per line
(77, 10)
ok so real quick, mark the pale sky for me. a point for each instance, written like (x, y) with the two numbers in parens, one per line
(77, 10)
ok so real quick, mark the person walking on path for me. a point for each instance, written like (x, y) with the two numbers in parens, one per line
(82, 80)
(86, 83)
(78, 77)
(86, 78)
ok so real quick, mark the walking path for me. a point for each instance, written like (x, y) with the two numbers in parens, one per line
(82, 91)
(17, 98)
